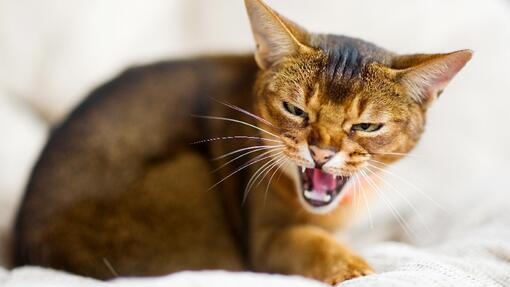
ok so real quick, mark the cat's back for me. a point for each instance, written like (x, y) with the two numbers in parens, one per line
(141, 112)
(106, 144)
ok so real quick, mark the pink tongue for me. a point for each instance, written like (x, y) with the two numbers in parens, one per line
(323, 182)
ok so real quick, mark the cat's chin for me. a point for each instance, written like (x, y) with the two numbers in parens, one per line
(320, 192)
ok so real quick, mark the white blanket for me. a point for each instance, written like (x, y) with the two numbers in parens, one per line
(461, 164)
(475, 252)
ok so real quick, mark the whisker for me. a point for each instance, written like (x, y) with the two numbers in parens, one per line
(234, 107)
(409, 184)
(263, 154)
(247, 148)
(280, 163)
(355, 193)
(235, 138)
(397, 153)
(256, 175)
(269, 170)
(280, 175)
(380, 162)
(251, 162)
(388, 203)
(110, 267)
(401, 195)
(235, 121)
(365, 200)
(247, 153)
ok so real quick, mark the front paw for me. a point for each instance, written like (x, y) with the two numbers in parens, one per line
(349, 268)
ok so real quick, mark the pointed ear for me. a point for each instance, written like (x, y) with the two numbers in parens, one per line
(276, 37)
(425, 76)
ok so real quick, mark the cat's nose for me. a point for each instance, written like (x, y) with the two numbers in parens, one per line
(321, 155)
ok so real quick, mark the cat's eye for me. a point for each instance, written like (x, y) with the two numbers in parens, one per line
(295, 110)
(366, 127)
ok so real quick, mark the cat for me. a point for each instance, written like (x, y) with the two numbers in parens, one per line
(126, 186)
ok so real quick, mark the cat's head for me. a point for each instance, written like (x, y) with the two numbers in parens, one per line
(342, 106)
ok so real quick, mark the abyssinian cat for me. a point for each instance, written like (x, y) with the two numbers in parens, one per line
(120, 191)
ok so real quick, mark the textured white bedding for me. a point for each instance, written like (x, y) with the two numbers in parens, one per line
(53, 52)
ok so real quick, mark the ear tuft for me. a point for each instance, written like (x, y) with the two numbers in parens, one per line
(426, 76)
(276, 37)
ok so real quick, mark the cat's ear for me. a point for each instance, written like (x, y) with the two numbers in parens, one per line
(276, 37)
(424, 76)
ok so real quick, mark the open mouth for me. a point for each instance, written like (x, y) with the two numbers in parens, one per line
(320, 188)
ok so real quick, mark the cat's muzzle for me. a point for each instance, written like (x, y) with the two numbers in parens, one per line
(320, 188)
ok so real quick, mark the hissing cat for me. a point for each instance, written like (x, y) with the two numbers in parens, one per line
(119, 190)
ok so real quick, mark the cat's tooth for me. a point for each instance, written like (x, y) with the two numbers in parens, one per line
(303, 169)
(311, 195)
(314, 196)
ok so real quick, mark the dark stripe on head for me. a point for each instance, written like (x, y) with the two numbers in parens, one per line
(346, 58)
(344, 62)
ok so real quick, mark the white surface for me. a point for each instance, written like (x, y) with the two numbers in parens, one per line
(22, 135)
(33, 276)
(53, 52)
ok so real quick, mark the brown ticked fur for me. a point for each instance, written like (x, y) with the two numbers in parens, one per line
(119, 190)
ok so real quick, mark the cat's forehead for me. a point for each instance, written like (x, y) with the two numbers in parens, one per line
(345, 59)
(353, 105)
(333, 74)
(335, 70)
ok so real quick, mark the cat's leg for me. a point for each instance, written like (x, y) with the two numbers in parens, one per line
(309, 251)
(286, 238)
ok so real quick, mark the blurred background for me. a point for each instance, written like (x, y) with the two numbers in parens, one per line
(53, 52)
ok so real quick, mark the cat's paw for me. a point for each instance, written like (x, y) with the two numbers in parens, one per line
(354, 267)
